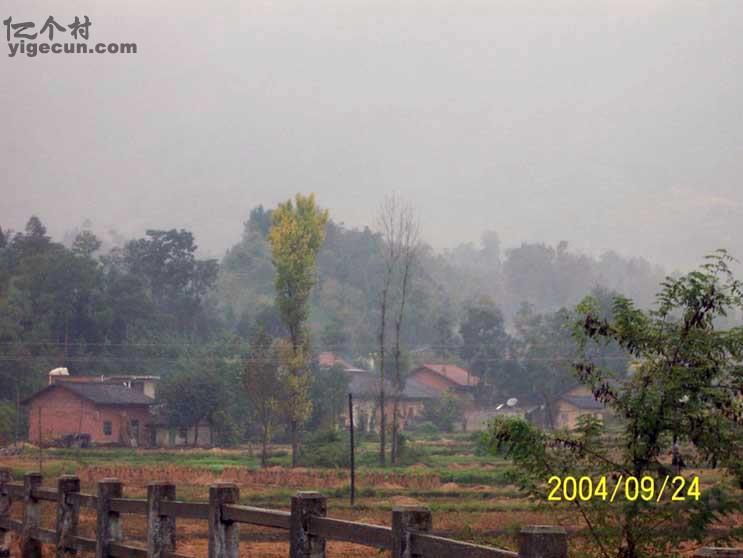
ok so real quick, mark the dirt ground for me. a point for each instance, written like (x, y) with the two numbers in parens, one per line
(272, 488)
(479, 513)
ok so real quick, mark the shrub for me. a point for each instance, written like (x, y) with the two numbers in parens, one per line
(482, 444)
(325, 448)
(407, 454)
(370, 436)
(427, 428)
(445, 412)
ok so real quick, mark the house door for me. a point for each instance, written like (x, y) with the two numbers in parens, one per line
(135, 431)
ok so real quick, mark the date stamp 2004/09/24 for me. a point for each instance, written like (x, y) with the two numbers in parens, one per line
(630, 488)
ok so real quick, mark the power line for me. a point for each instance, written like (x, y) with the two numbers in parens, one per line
(22, 358)
(320, 347)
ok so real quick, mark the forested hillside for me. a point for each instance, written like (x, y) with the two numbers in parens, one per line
(344, 304)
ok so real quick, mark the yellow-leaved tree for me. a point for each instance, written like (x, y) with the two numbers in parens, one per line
(296, 235)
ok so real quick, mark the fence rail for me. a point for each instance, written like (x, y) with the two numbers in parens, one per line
(307, 524)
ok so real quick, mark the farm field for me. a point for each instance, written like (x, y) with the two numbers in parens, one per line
(472, 497)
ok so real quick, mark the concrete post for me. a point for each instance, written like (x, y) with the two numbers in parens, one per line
(108, 523)
(5, 502)
(224, 536)
(160, 527)
(302, 544)
(68, 515)
(543, 541)
(31, 547)
(407, 519)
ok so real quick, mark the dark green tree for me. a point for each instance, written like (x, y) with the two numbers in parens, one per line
(192, 395)
(486, 345)
(86, 244)
(446, 412)
(685, 390)
(329, 393)
(177, 281)
(446, 342)
(335, 338)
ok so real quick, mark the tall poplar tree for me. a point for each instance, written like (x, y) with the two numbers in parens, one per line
(296, 235)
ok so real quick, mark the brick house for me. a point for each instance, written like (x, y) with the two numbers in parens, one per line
(364, 386)
(453, 379)
(425, 383)
(443, 377)
(576, 403)
(564, 411)
(108, 410)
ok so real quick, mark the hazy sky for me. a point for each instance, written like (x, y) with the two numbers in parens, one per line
(610, 124)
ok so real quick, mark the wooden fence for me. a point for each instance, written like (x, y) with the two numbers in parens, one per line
(307, 524)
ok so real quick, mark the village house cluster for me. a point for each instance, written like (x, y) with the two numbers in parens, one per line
(124, 410)
(433, 380)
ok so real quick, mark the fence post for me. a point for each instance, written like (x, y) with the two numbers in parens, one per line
(224, 536)
(68, 514)
(5, 477)
(31, 547)
(406, 519)
(108, 522)
(543, 541)
(302, 544)
(160, 527)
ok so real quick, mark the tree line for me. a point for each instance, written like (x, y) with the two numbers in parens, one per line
(295, 284)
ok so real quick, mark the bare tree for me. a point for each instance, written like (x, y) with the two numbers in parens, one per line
(409, 240)
(260, 379)
(389, 229)
(400, 237)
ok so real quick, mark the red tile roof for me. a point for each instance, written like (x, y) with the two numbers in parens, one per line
(328, 360)
(454, 373)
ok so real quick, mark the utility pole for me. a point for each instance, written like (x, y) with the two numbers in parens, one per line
(17, 412)
(41, 443)
(353, 463)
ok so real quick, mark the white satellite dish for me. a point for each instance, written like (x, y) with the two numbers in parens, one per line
(512, 402)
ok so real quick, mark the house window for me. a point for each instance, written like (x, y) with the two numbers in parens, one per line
(107, 429)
